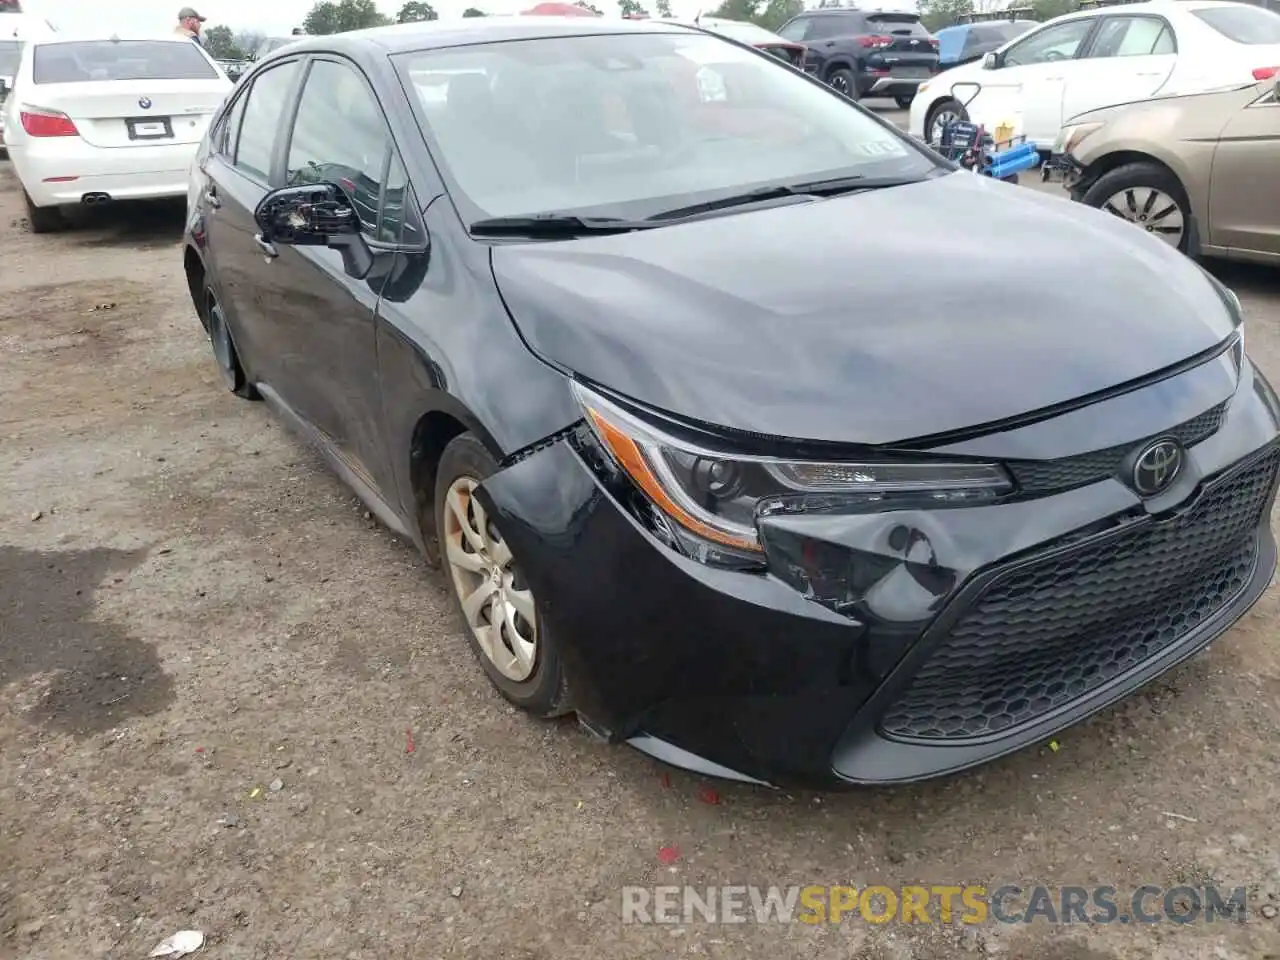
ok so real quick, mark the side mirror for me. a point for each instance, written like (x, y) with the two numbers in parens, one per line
(315, 215)
(991, 61)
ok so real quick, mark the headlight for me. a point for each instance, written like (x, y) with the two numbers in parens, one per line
(1071, 136)
(715, 496)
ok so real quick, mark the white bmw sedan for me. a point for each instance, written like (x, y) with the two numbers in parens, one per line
(90, 121)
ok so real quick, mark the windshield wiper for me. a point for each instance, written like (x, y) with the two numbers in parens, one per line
(811, 189)
(838, 185)
(724, 203)
(555, 225)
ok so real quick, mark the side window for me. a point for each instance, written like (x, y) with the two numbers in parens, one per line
(1132, 37)
(228, 135)
(340, 136)
(395, 219)
(263, 114)
(1059, 42)
(797, 29)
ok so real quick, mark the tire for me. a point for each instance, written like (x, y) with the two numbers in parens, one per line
(949, 106)
(843, 80)
(225, 355)
(44, 219)
(534, 683)
(904, 103)
(1148, 195)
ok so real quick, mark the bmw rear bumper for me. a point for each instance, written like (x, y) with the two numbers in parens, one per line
(902, 645)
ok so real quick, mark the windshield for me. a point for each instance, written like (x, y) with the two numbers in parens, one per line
(631, 125)
(10, 54)
(85, 61)
(1251, 25)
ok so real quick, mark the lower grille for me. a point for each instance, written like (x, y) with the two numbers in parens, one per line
(1053, 631)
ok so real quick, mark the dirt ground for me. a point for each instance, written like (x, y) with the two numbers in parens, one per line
(231, 702)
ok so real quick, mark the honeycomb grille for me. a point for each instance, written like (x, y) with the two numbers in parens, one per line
(1051, 632)
(1049, 476)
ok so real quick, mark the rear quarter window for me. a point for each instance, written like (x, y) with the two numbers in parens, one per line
(1250, 25)
(92, 60)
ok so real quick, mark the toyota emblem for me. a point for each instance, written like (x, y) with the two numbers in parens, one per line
(144, 103)
(1157, 466)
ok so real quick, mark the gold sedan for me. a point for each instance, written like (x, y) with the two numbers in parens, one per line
(1201, 172)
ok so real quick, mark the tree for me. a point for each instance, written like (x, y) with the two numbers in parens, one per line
(415, 11)
(248, 41)
(586, 6)
(631, 8)
(936, 14)
(220, 44)
(473, 12)
(663, 7)
(329, 16)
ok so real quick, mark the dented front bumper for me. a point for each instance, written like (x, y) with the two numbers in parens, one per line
(892, 646)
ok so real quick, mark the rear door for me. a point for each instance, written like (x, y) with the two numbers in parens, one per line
(1025, 90)
(1244, 193)
(129, 93)
(1128, 59)
(239, 171)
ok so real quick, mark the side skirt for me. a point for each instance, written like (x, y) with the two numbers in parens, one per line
(349, 472)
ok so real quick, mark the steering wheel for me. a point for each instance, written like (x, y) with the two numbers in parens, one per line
(1052, 56)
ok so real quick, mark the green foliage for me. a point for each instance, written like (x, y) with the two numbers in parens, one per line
(473, 12)
(936, 14)
(586, 6)
(220, 43)
(329, 16)
(631, 8)
(770, 14)
(415, 11)
(663, 7)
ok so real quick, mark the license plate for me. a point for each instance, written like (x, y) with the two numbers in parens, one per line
(921, 72)
(149, 129)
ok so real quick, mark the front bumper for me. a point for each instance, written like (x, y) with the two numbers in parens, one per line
(897, 646)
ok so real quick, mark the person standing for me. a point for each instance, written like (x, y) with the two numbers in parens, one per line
(189, 24)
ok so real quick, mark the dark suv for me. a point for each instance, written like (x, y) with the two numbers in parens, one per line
(866, 53)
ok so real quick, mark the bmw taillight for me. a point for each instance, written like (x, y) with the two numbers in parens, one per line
(47, 123)
(875, 40)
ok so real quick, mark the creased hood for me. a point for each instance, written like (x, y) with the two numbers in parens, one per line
(871, 318)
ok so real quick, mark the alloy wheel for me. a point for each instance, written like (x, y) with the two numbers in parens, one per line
(940, 121)
(496, 602)
(840, 84)
(1149, 208)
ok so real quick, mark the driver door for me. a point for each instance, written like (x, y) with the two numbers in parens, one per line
(1025, 90)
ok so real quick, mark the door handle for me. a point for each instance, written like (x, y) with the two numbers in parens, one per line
(829, 43)
(211, 198)
(266, 246)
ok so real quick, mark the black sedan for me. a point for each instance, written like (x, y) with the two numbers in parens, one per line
(608, 317)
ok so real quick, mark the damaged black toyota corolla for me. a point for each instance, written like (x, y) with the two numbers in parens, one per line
(628, 326)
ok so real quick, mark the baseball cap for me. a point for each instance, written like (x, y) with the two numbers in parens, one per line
(189, 12)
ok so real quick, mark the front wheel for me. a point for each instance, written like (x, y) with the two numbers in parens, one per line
(1148, 196)
(514, 647)
(940, 114)
(842, 80)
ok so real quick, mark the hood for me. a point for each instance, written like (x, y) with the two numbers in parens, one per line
(872, 318)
